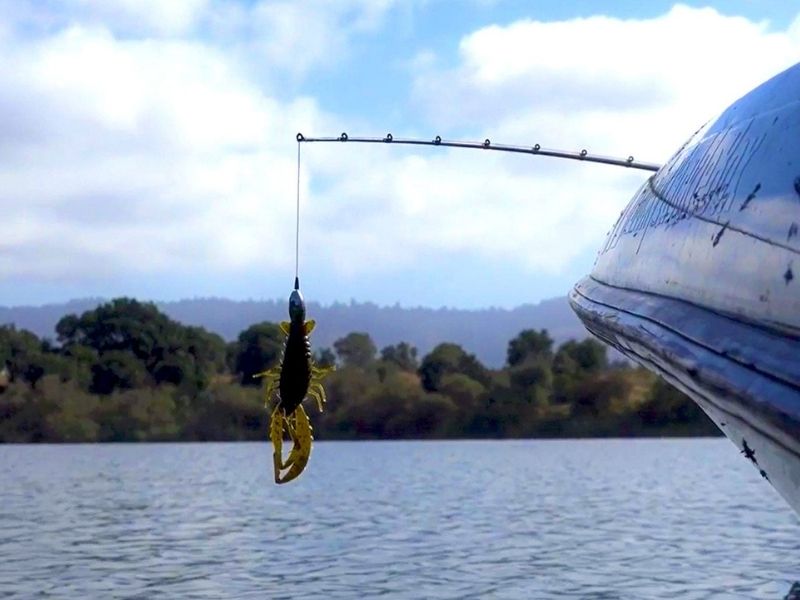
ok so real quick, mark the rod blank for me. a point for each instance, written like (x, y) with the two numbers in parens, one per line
(537, 150)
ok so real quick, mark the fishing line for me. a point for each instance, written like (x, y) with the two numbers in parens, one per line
(297, 227)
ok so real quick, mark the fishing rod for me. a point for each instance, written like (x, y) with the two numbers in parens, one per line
(297, 359)
(488, 145)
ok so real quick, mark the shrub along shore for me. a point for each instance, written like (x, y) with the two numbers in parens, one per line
(126, 372)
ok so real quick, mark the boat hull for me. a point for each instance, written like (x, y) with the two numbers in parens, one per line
(696, 281)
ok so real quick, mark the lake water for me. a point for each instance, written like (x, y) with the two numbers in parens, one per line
(516, 519)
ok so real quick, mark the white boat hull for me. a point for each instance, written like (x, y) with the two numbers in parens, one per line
(699, 280)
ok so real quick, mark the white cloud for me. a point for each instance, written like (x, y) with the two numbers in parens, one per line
(298, 36)
(127, 17)
(614, 86)
(650, 81)
(149, 155)
(394, 209)
(173, 17)
(159, 152)
(291, 36)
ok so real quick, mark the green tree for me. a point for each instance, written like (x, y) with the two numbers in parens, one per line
(325, 357)
(258, 348)
(227, 412)
(117, 370)
(450, 358)
(402, 355)
(73, 417)
(529, 344)
(668, 407)
(573, 363)
(345, 413)
(22, 354)
(144, 414)
(464, 391)
(80, 360)
(356, 350)
(603, 394)
(208, 350)
(469, 399)
(178, 368)
(126, 325)
(396, 408)
(23, 414)
(586, 356)
(122, 324)
(531, 381)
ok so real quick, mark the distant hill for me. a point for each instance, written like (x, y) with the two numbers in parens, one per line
(485, 332)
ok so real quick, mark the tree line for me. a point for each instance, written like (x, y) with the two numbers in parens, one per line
(124, 371)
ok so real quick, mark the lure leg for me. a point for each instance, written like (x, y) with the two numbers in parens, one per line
(315, 389)
(320, 372)
(316, 392)
(271, 379)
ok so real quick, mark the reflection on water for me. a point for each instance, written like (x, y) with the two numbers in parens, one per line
(521, 519)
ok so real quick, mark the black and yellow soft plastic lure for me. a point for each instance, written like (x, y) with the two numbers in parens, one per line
(296, 378)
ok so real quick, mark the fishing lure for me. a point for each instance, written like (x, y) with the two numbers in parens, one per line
(295, 378)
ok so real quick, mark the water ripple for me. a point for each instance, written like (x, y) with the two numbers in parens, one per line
(522, 519)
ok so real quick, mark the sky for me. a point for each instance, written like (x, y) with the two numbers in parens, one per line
(147, 148)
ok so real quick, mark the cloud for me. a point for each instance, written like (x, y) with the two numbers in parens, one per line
(289, 36)
(601, 79)
(614, 86)
(143, 154)
(175, 17)
(298, 36)
(124, 17)
(136, 147)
